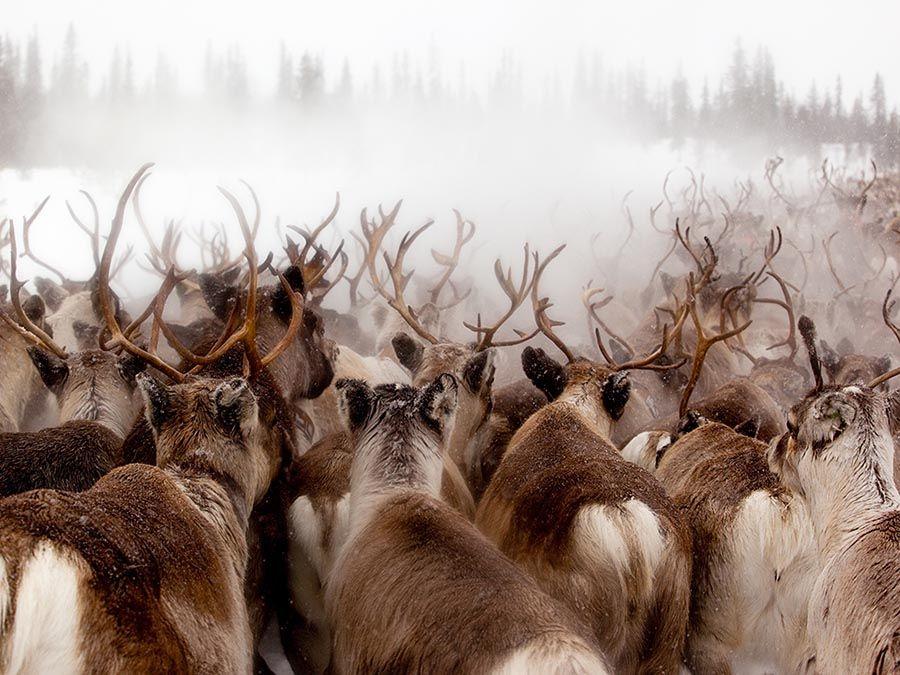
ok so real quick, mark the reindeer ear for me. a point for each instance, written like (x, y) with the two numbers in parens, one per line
(34, 308)
(845, 347)
(829, 359)
(52, 369)
(882, 364)
(544, 373)
(478, 373)
(236, 406)
(230, 277)
(749, 427)
(355, 402)
(129, 366)
(52, 293)
(409, 352)
(157, 400)
(616, 391)
(281, 303)
(218, 294)
(690, 421)
(437, 403)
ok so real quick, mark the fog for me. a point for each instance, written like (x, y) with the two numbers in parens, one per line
(490, 119)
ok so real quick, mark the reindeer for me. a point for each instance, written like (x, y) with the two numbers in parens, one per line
(415, 583)
(94, 390)
(297, 364)
(754, 558)
(596, 532)
(838, 456)
(219, 445)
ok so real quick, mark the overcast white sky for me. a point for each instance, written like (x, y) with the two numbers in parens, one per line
(809, 38)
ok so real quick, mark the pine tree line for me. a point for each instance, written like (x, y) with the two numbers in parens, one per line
(747, 102)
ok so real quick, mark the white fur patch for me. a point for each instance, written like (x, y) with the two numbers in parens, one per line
(4, 592)
(546, 655)
(603, 534)
(642, 450)
(773, 571)
(44, 634)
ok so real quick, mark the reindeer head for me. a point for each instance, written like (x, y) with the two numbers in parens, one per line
(304, 369)
(834, 432)
(91, 385)
(400, 432)
(213, 425)
(608, 389)
(474, 371)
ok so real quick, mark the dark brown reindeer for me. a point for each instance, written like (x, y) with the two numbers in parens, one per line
(416, 586)
(276, 322)
(596, 532)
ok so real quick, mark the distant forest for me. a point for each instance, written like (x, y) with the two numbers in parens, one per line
(748, 102)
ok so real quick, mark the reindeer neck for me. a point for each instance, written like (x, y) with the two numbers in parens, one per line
(219, 499)
(388, 463)
(89, 405)
(584, 402)
(843, 502)
(19, 376)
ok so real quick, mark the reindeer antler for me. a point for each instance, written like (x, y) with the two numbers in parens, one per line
(704, 342)
(516, 294)
(451, 262)
(399, 281)
(540, 305)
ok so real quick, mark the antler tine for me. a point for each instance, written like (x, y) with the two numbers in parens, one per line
(293, 326)
(516, 294)
(886, 308)
(451, 262)
(171, 280)
(457, 298)
(587, 300)
(826, 244)
(103, 276)
(771, 250)
(39, 336)
(772, 166)
(371, 241)
(540, 305)
(246, 333)
(683, 238)
(400, 281)
(339, 253)
(704, 343)
(257, 211)
(863, 196)
(26, 241)
(647, 362)
(93, 234)
(787, 306)
(310, 238)
(160, 257)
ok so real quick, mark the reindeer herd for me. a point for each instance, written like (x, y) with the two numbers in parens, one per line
(256, 479)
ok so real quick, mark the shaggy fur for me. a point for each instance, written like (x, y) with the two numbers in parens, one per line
(596, 532)
(416, 587)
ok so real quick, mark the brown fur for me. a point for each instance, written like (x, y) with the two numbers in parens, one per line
(738, 402)
(161, 552)
(421, 591)
(558, 464)
(72, 456)
(711, 474)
